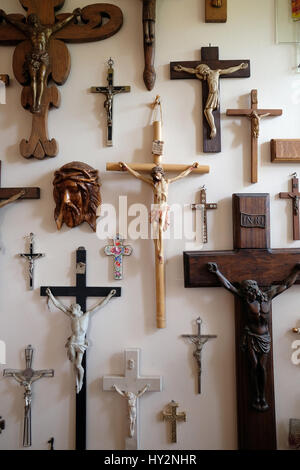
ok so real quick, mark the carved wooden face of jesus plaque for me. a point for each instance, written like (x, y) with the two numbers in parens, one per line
(76, 194)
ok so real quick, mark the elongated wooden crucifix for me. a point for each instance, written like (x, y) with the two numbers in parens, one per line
(294, 196)
(209, 70)
(77, 346)
(160, 212)
(41, 55)
(273, 271)
(110, 91)
(254, 115)
(149, 19)
(4, 78)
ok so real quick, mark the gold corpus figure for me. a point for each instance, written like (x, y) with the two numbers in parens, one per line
(37, 61)
(204, 72)
(255, 119)
(160, 213)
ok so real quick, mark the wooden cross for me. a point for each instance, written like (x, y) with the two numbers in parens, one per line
(215, 11)
(204, 206)
(45, 56)
(81, 292)
(22, 193)
(172, 417)
(199, 341)
(294, 196)
(285, 150)
(132, 383)
(254, 115)
(148, 167)
(210, 57)
(251, 258)
(149, 19)
(118, 250)
(31, 257)
(26, 378)
(110, 91)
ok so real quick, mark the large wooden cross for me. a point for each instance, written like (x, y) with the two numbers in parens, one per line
(251, 258)
(294, 196)
(81, 292)
(37, 59)
(254, 115)
(210, 57)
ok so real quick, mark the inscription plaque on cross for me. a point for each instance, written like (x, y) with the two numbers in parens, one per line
(41, 55)
(81, 292)
(285, 150)
(172, 417)
(254, 115)
(251, 258)
(132, 386)
(294, 196)
(110, 91)
(209, 76)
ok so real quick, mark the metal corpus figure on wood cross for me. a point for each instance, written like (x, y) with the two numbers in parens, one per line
(77, 343)
(110, 91)
(31, 257)
(41, 55)
(204, 206)
(199, 341)
(172, 417)
(149, 18)
(294, 196)
(254, 115)
(118, 250)
(160, 209)
(132, 386)
(209, 70)
(233, 270)
(26, 378)
(8, 195)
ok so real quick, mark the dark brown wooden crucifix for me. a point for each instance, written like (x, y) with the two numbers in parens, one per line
(251, 258)
(41, 55)
(8, 195)
(254, 115)
(215, 11)
(294, 196)
(209, 70)
(149, 18)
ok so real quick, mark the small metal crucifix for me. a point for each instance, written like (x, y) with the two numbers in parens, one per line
(110, 91)
(203, 206)
(31, 257)
(118, 250)
(26, 378)
(294, 196)
(173, 417)
(199, 341)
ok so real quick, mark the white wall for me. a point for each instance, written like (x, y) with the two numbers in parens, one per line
(79, 127)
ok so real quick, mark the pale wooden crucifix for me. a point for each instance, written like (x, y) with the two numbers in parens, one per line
(160, 210)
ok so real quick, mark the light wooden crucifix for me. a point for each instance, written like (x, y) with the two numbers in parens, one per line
(160, 212)
(254, 115)
(215, 11)
(41, 55)
(294, 196)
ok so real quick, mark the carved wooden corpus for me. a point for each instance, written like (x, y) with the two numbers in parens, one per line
(252, 258)
(34, 62)
(149, 18)
(215, 11)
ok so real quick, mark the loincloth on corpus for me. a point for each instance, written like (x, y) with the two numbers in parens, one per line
(160, 215)
(258, 343)
(212, 101)
(34, 60)
(77, 347)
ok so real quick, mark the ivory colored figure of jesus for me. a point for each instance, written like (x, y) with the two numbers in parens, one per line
(132, 402)
(37, 62)
(77, 343)
(255, 119)
(204, 72)
(257, 338)
(159, 216)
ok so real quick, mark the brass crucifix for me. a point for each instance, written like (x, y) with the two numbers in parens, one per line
(172, 417)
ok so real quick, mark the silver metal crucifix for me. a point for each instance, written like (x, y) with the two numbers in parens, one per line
(203, 207)
(31, 257)
(110, 91)
(199, 341)
(26, 378)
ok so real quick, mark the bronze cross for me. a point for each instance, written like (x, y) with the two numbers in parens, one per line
(41, 54)
(204, 206)
(294, 196)
(254, 115)
(172, 417)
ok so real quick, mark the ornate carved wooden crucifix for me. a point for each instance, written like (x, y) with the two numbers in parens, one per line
(132, 386)
(8, 195)
(254, 115)
(149, 18)
(81, 292)
(172, 417)
(209, 70)
(41, 54)
(110, 91)
(215, 11)
(204, 206)
(294, 196)
(285, 150)
(159, 214)
(252, 256)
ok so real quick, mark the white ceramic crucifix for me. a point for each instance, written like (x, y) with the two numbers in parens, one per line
(131, 386)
